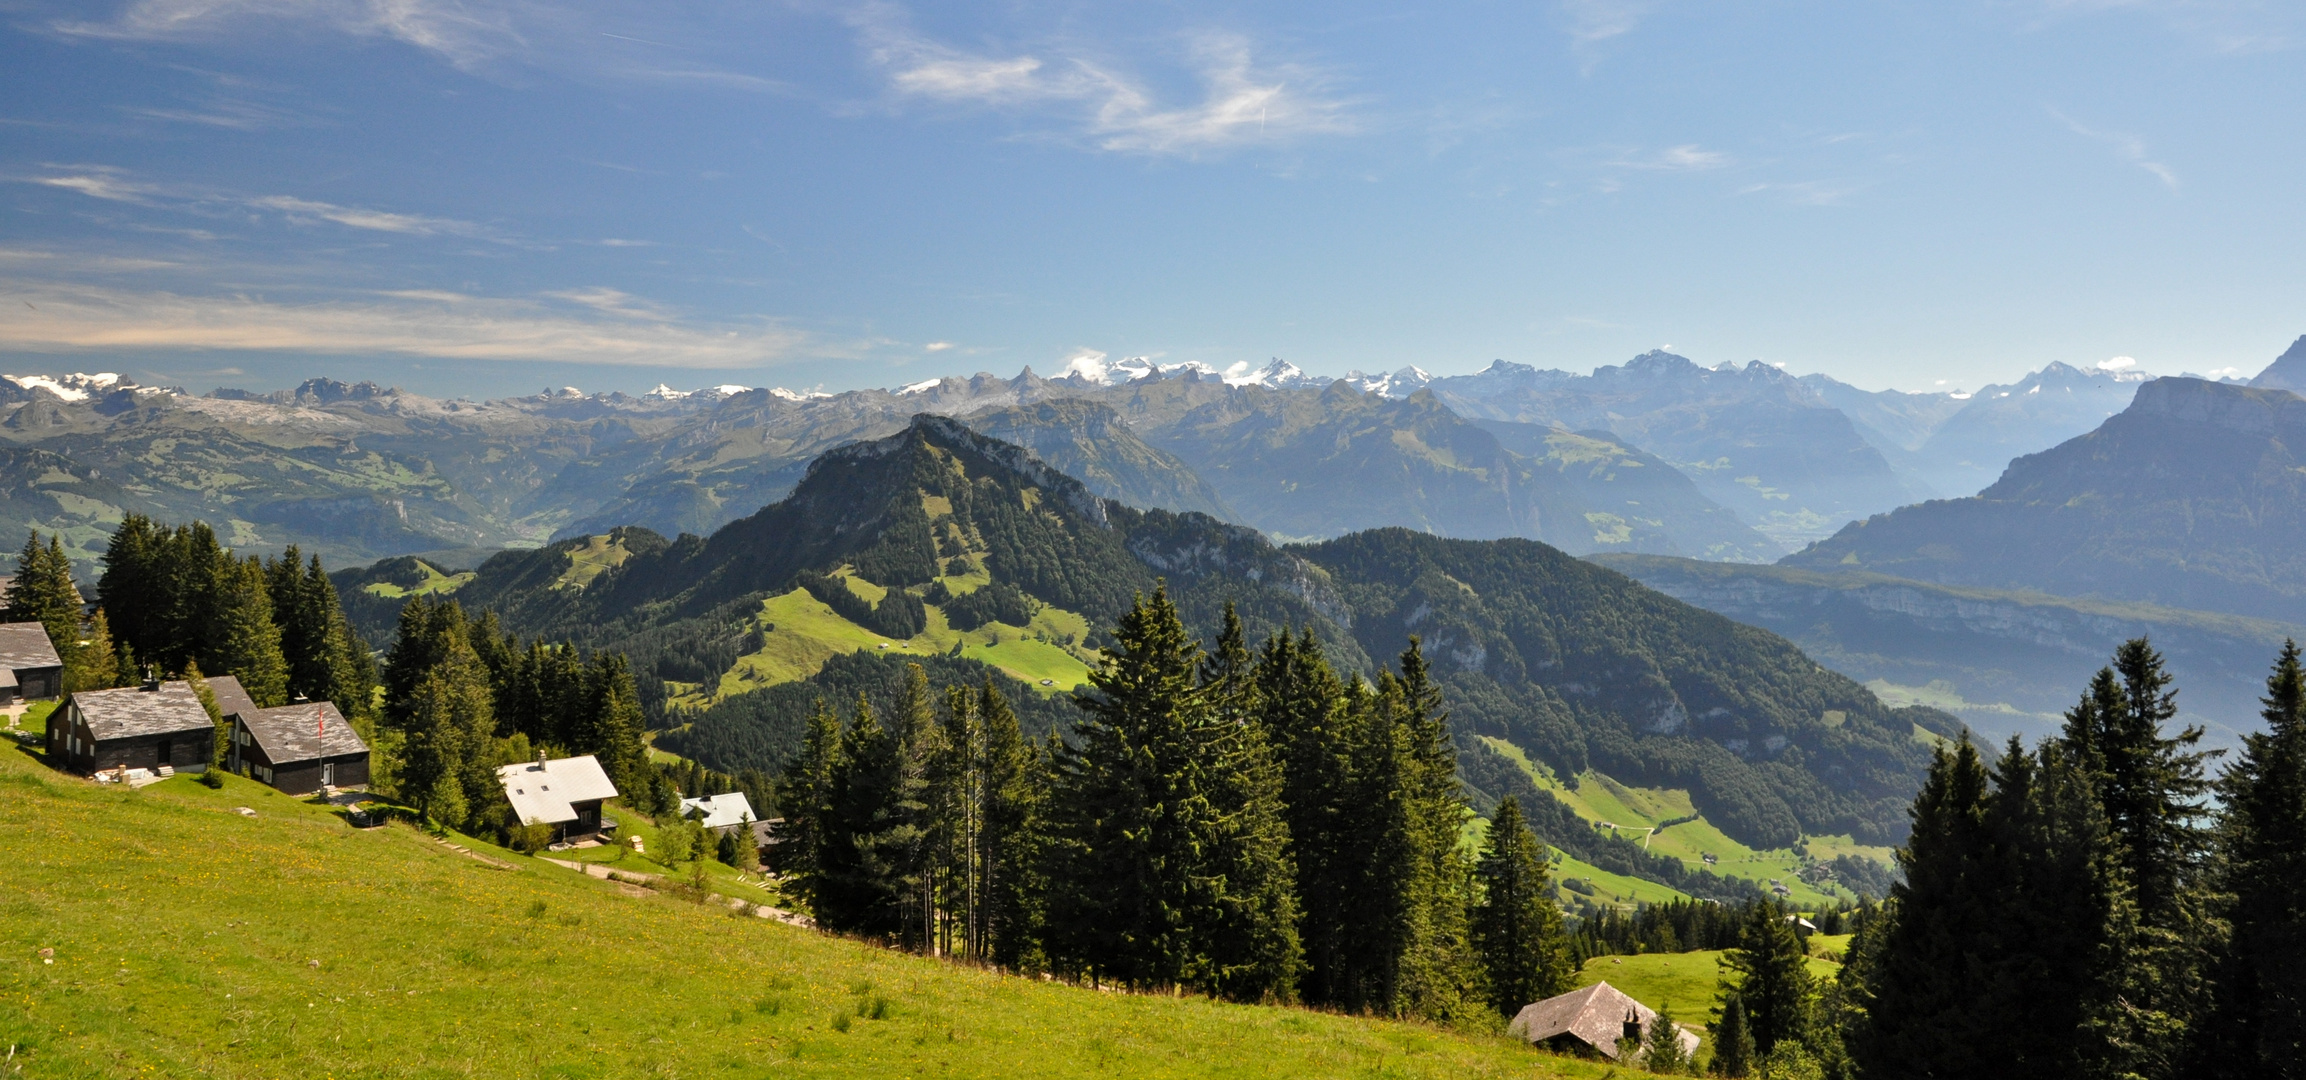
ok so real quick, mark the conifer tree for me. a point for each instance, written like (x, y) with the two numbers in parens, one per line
(612, 728)
(2261, 980)
(1733, 1042)
(130, 587)
(96, 659)
(1416, 957)
(1516, 925)
(1300, 706)
(220, 747)
(1924, 996)
(807, 804)
(1661, 1048)
(1253, 951)
(42, 592)
(326, 660)
(2148, 787)
(1141, 837)
(244, 641)
(438, 701)
(1009, 919)
(861, 874)
(1770, 976)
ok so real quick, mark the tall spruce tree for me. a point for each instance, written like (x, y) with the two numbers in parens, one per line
(2260, 1008)
(865, 870)
(42, 592)
(1517, 928)
(612, 730)
(1769, 975)
(2149, 786)
(1011, 885)
(437, 703)
(96, 658)
(1924, 996)
(1300, 706)
(1147, 829)
(1253, 952)
(808, 793)
(244, 641)
(1733, 1054)
(326, 659)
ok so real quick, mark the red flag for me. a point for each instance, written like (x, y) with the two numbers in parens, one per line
(320, 721)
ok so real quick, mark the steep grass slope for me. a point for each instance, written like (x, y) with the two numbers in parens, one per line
(191, 941)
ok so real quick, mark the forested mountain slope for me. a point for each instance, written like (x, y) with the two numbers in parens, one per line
(2193, 497)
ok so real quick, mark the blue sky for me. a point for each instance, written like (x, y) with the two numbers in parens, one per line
(483, 198)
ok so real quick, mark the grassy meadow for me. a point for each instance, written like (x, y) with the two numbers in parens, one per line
(191, 941)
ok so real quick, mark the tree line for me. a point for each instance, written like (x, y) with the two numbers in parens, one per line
(175, 602)
(2096, 905)
(1236, 822)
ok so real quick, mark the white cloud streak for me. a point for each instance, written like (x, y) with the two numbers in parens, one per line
(466, 35)
(1591, 21)
(2131, 148)
(1241, 103)
(114, 185)
(58, 317)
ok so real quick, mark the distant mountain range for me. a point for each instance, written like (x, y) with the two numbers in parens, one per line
(2192, 497)
(1659, 455)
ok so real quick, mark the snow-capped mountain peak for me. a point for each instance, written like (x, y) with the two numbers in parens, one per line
(1397, 384)
(77, 386)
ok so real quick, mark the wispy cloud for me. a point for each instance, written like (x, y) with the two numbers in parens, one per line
(2130, 147)
(609, 301)
(1688, 157)
(447, 325)
(116, 185)
(1590, 21)
(1242, 102)
(2228, 26)
(1805, 192)
(465, 34)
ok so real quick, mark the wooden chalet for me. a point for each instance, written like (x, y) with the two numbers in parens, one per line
(565, 793)
(29, 666)
(1589, 1020)
(298, 748)
(151, 726)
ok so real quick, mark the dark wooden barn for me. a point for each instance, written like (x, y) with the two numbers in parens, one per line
(29, 666)
(298, 748)
(140, 727)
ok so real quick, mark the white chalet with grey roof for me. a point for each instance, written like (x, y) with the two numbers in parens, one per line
(719, 813)
(565, 793)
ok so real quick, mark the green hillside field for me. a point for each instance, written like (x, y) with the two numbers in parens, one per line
(189, 940)
(1686, 981)
(799, 633)
(1634, 812)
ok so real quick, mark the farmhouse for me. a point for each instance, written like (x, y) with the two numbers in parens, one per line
(231, 699)
(140, 727)
(298, 748)
(719, 813)
(565, 793)
(1588, 1020)
(29, 667)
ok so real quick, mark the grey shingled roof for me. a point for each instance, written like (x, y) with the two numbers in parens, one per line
(121, 714)
(302, 732)
(230, 697)
(25, 645)
(1595, 1015)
